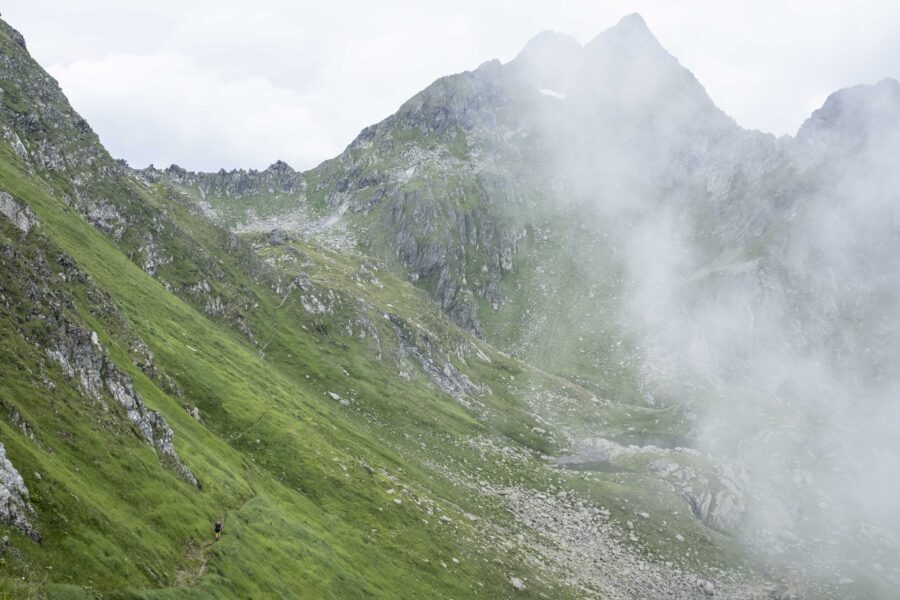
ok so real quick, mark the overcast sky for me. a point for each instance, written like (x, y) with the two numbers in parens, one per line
(216, 83)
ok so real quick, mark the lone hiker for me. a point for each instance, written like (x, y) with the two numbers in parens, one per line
(218, 529)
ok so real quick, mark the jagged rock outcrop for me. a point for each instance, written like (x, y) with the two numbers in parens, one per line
(416, 344)
(15, 505)
(277, 178)
(20, 215)
(718, 500)
(81, 356)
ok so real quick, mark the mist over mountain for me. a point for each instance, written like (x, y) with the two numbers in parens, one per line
(572, 311)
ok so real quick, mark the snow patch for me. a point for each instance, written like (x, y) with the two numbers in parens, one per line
(552, 94)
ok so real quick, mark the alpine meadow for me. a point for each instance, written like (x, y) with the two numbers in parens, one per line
(559, 327)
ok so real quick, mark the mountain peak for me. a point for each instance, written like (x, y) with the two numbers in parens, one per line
(633, 22)
(549, 45)
(630, 32)
(549, 59)
(280, 166)
(856, 112)
(551, 37)
(551, 50)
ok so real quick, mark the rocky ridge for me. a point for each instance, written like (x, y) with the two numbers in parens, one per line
(21, 216)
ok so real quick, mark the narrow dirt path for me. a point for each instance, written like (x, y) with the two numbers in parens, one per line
(190, 576)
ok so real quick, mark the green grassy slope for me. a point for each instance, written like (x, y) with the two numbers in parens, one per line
(275, 454)
(301, 479)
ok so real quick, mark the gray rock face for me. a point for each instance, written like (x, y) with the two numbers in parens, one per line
(279, 236)
(279, 178)
(447, 377)
(13, 139)
(715, 490)
(15, 507)
(20, 215)
(851, 116)
(81, 356)
(716, 500)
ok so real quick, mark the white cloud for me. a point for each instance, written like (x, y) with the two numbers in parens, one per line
(221, 83)
(159, 107)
